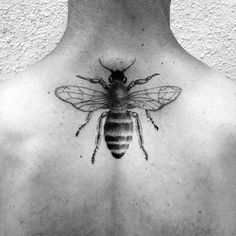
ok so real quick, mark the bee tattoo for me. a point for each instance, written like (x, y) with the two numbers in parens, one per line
(118, 100)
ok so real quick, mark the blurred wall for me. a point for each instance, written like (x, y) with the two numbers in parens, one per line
(30, 29)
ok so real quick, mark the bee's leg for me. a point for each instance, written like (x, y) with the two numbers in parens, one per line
(149, 116)
(95, 81)
(140, 81)
(139, 131)
(88, 118)
(98, 138)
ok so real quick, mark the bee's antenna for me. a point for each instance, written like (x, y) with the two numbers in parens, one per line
(129, 66)
(105, 66)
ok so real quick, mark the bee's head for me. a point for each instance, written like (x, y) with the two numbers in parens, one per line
(117, 75)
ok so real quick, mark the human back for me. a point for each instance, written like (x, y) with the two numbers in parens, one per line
(49, 185)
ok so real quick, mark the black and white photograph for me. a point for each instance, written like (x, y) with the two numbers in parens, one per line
(117, 118)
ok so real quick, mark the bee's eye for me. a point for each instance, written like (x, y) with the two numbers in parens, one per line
(110, 79)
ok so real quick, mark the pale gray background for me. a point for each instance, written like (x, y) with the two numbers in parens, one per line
(29, 29)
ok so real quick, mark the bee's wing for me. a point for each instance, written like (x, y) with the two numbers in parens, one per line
(82, 98)
(153, 99)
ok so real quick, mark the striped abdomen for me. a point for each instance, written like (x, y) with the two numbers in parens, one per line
(118, 132)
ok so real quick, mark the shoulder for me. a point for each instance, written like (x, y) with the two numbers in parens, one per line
(204, 89)
(22, 98)
(10, 116)
(224, 95)
(211, 98)
(205, 86)
(219, 93)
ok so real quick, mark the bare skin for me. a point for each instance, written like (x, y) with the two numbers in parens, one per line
(48, 184)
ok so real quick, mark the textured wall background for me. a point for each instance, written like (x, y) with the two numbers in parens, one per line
(30, 29)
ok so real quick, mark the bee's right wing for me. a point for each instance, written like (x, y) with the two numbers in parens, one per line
(153, 99)
(82, 98)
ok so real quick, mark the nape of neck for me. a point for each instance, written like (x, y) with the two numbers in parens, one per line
(118, 26)
(126, 8)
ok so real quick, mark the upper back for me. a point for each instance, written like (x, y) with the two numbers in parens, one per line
(55, 190)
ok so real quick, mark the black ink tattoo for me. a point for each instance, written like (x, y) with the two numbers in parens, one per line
(118, 101)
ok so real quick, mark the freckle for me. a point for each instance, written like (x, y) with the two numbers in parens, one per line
(81, 156)
(162, 63)
(49, 92)
(142, 44)
(143, 29)
(200, 212)
(173, 62)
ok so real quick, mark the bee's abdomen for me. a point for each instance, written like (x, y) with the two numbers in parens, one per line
(118, 132)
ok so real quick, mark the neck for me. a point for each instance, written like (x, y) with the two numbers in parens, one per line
(102, 27)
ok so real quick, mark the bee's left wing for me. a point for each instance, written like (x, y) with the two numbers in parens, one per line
(153, 99)
(82, 98)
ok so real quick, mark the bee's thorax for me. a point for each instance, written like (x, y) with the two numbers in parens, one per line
(118, 95)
